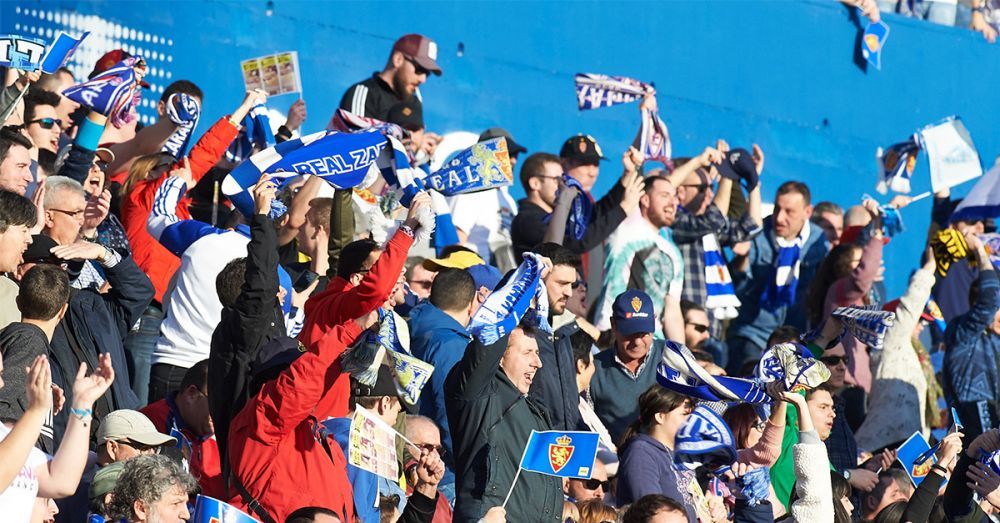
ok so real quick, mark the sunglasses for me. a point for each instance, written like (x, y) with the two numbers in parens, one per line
(423, 284)
(428, 447)
(699, 327)
(578, 283)
(700, 187)
(419, 69)
(833, 361)
(47, 123)
(592, 484)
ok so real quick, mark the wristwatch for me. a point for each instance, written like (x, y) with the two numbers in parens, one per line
(847, 475)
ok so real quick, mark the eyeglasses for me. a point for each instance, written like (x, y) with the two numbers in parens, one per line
(699, 327)
(833, 361)
(542, 176)
(423, 284)
(72, 214)
(103, 166)
(700, 187)
(592, 484)
(139, 447)
(428, 447)
(46, 123)
(419, 69)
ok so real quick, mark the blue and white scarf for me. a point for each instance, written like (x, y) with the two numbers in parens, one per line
(653, 140)
(781, 292)
(503, 309)
(579, 211)
(704, 439)
(113, 93)
(794, 365)
(256, 133)
(185, 111)
(721, 297)
(867, 324)
(348, 122)
(368, 352)
(895, 166)
(678, 370)
(599, 90)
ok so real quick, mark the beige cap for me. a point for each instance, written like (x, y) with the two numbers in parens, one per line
(133, 426)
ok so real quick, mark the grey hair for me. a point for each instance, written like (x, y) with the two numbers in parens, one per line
(54, 185)
(147, 479)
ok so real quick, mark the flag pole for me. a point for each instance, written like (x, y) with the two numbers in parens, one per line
(920, 196)
(519, 466)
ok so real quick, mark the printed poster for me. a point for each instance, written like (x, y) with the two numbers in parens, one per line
(276, 74)
(251, 74)
(288, 72)
(269, 70)
(372, 445)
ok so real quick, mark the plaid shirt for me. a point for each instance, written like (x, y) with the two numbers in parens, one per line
(688, 230)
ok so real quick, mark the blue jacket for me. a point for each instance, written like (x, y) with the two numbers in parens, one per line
(647, 467)
(755, 322)
(970, 363)
(438, 339)
(554, 387)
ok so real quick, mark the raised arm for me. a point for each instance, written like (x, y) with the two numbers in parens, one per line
(556, 230)
(471, 375)
(14, 449)
(970, 324)
(163, 224)
(147, 141)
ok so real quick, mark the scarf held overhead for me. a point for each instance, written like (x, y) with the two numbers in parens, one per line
(114, 93)
(183, 110)
(503, 309)
(599, 90)
(255, 134)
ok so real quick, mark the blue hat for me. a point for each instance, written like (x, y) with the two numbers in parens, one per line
(484, 276)
(633, 313)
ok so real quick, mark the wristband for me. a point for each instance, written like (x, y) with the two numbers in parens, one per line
(943, 470)
(82, 414)
(406, 230)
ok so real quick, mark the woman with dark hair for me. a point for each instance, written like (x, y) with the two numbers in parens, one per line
(646, 450)
(839, 263)
(842, 506)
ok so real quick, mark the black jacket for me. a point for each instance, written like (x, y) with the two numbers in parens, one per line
(528, 228)
(371, 98)
(96, 323)
(20, 344)
(490, 424)
(243, 330)
(554, 386)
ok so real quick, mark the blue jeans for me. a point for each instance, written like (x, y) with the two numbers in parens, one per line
(139, 345)
(941, 13)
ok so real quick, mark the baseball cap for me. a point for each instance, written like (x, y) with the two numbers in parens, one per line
(105, 479)
(513, 148)
(485, 276)
(461, 259)
(852, 234)
(738, 165)
(133, 426)
(582, 149)
(40, 250)
(408, 114)
(385, 385)
(420, 49)
(632, 312)
(108, 60)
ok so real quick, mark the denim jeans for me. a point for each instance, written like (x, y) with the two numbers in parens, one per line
(942, 13)
(139, 345)
(163, 379)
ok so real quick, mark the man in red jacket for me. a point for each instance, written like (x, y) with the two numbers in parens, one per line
(280, 461)
(366, 278)
(184, 415)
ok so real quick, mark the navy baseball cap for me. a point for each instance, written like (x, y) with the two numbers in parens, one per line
(485, 276)
(633, 313)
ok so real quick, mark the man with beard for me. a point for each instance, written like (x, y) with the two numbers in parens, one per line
(412, 59)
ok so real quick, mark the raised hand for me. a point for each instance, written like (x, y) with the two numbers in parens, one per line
(96, 211)
(296, 115)
(420, 201)
(183, 172)
(39, 385)
(631, 161)
(86, 389)
(758, 158)
(263, 194)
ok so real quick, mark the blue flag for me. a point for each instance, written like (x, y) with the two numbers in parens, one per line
(19, 52)
(112, 93)
(872, 42)
(563, 454)
(60, 51)
(485, 165)
(895, 166)
(908, 455)
(211, 510)
(341, 159)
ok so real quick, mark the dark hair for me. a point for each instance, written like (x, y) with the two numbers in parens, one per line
(229, 282)
(841, 489)
(783, 334)
(795, 186)
(823, 387)
(823, 207)
(688, 306)
(893, 475)
(453, 290)
(582, 345)
(353, 256)
(16, 210)
(892, 513)
(557, 254)
(650, 505)
(44, 291)
(35, 97)
(10, 136)
(47, 161)
(655, 400)
(534, 165)
(649, 181)
(308, 514)
(835, 266)
(182, 86)
(741, 418)
(197, 375)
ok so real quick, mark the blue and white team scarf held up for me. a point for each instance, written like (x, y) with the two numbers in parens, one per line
(721, 298)
(255, 134)
(579, 211)
(113, 93)
(781, 292)
(599, 90)
(185, 111)
(503, 309)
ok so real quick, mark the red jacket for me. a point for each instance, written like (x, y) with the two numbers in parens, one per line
(203, 459)
(273, 441)
(156, 261)
(342, 302)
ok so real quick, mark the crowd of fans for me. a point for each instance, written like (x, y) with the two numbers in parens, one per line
(157, 344)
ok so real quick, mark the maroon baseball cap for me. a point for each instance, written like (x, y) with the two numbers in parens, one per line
(108, 60)
(421, 50)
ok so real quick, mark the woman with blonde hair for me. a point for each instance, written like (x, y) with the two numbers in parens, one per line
(595, 511)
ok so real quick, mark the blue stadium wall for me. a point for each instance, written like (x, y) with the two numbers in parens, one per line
(784, 74)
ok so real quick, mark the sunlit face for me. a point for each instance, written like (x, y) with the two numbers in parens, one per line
(13, 242)
(835, 359)
(408, 76)
(585, 174)
(547, 183)
(821, 409)
(594, 488)
(790, 214)
(421, 280)
(832, 225)
(171, 508)
(64, 217)
(659, 204)
(15, 170)
(559, 285)
(521, 361)
(42, 137)
(696, 329)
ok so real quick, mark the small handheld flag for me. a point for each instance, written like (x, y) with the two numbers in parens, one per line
(951, 155)
(211, 510)
(563, 454)
(896, 165)
(983, 200)
(872, 42)
(908, 455)
(60, 51)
